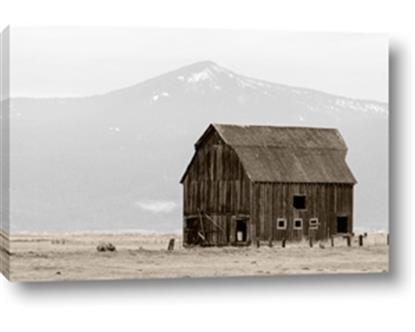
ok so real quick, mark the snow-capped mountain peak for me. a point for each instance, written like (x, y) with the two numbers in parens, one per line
(223, 86)
(201, 76)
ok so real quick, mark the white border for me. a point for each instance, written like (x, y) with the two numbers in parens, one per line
(373, 302)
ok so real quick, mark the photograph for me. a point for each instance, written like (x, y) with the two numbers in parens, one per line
(154, 153)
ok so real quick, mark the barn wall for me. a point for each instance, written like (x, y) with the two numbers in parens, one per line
(271, 201)
(215, 189)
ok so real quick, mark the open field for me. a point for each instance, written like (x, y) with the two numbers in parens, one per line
(74, 257)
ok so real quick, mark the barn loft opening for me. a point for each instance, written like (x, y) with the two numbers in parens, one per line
(241, 230)
(342, 225)
(299, 202)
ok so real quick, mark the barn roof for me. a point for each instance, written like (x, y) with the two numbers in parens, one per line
(287, 154)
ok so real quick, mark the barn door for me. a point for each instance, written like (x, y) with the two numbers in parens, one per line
(239, 234)
(191, 234)
(342, 225)
(241, 230)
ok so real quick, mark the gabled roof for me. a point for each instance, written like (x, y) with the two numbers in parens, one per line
(281, 137)
(286, 154)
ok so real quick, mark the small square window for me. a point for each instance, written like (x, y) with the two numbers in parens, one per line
(298, 223)
(313, 223)
(299, 202)
(281, 223)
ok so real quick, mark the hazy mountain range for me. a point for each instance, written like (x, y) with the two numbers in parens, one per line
(114, 161)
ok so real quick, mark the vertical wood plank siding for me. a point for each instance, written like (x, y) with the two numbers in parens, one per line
(275, 200)
(217, 190)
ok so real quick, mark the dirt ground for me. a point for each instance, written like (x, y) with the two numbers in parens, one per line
(75, 257)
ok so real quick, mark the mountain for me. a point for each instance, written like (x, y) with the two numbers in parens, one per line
(114, 161)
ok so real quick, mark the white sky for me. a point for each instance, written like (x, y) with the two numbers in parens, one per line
(83, 61)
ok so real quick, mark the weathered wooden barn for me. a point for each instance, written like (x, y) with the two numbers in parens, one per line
(249, 183)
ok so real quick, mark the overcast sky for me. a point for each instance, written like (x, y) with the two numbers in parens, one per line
(50, 62)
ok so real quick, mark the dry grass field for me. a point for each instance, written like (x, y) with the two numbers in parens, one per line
(54, 257)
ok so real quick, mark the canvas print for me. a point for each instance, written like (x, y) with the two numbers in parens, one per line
(130, 153)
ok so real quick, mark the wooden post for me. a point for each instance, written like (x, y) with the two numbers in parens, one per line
(270, 242)
(283, 243)
(360, 240)
(310, 238)
(387, 239)
(332, 240)
(349, 240)
(258, 244)
(171, 245)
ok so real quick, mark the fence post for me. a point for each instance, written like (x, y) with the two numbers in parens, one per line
(332, 240)
(387, 239)
(283, 243)
(171, 245)
(360, 240)
(310, 238)
(270, 242)
(258, 244)
(349, 240)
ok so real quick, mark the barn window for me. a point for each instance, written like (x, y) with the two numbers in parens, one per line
(299, 202)
(298, 223)
(313, 223)
(281, 223)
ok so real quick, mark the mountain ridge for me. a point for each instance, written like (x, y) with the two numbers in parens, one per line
(199, 67)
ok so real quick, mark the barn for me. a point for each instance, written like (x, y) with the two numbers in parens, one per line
(265, 183)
